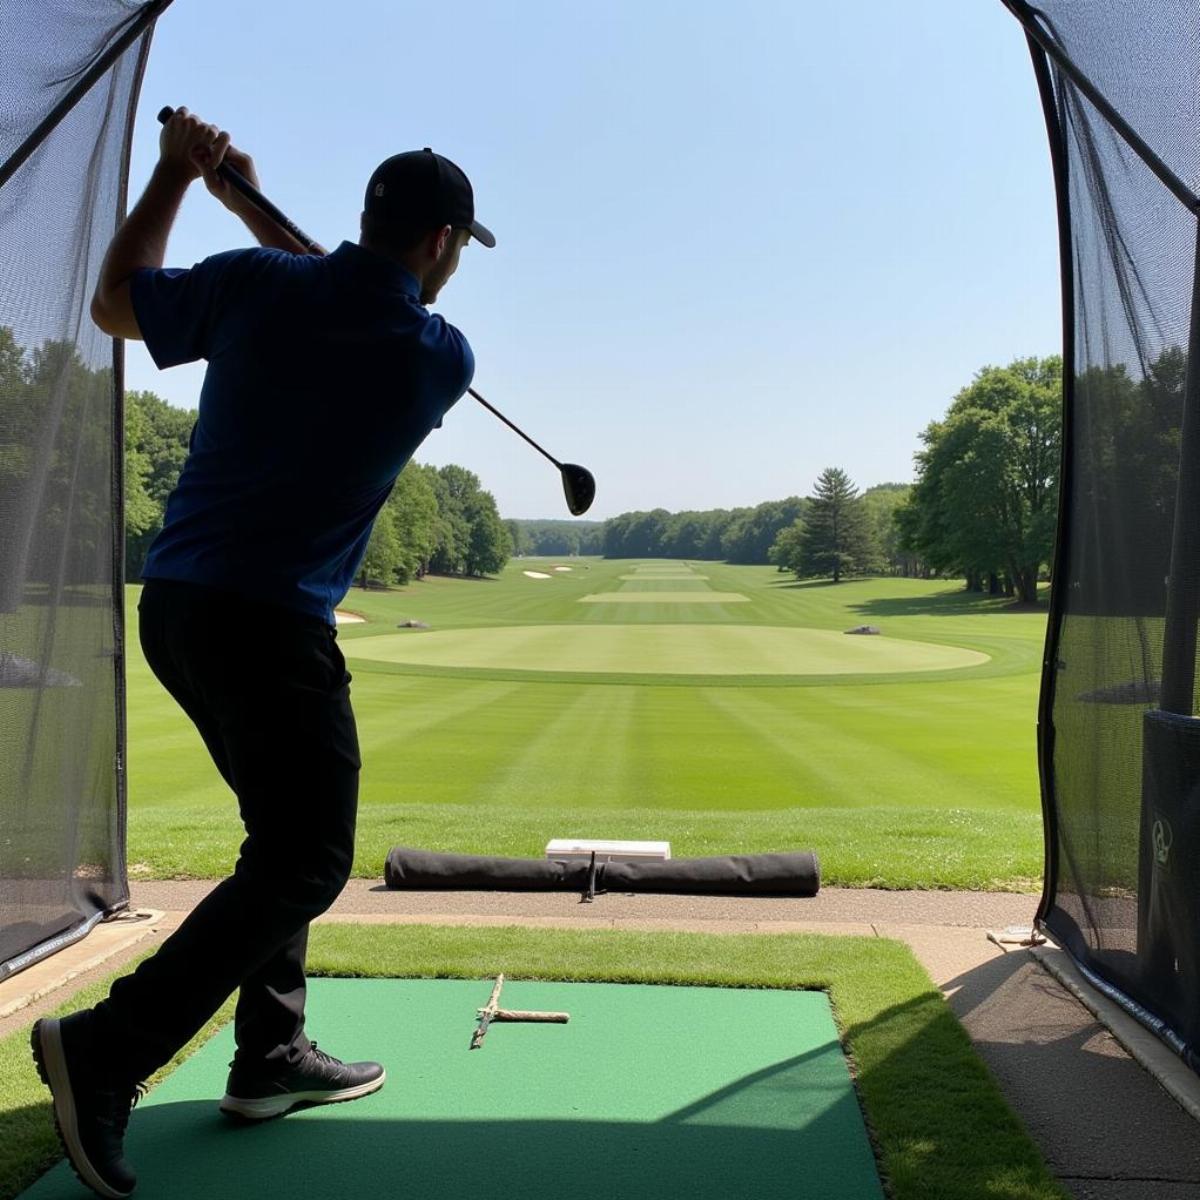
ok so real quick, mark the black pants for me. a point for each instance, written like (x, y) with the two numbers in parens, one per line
(268, 690)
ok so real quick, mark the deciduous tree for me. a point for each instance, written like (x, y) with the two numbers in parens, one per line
(986, 499)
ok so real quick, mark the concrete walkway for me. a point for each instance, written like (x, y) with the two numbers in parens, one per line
(1106, 1126)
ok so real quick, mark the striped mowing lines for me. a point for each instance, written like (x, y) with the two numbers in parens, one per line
(651, 597)
(551, 755)
(580, 746)
(658, 583)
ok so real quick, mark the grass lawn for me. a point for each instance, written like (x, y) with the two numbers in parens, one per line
(940, 1128)
(527, 710)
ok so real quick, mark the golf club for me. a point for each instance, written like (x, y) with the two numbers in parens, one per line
(579, 485)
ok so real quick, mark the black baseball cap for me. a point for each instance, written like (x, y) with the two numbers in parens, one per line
(420, 185)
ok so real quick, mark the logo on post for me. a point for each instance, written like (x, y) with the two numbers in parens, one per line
(1162, 837)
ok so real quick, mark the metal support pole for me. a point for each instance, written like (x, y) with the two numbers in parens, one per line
(1183, 582)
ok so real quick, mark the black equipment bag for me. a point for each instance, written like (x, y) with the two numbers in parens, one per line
(793, 873)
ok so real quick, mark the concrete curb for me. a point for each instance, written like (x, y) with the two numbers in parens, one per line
(1138, 1042)
(108, 939)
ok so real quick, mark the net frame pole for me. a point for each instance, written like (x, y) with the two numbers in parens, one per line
(1036, 25)
(138, 24)
(1060, 166)
(117, 491)
(1183, 601)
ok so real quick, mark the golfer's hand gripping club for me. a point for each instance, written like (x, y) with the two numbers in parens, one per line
(579, 485)
(237, 180)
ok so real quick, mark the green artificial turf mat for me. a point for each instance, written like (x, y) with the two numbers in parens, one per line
(649, 1091)
(939, 1126)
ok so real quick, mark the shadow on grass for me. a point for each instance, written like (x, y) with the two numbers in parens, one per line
(930, 1094)
(28, 1145)
(789, 583)
(957, 603)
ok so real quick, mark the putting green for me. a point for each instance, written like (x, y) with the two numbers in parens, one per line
(647, 1092)
(663, 650)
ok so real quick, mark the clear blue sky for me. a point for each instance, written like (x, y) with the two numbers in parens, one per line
(738, 243)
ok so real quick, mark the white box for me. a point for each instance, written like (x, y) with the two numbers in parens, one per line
(580, 850)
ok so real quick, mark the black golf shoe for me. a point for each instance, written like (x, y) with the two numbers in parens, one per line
(90, 1112)
(318, 1078)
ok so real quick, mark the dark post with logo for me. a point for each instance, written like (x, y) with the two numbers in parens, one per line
(1169, 873)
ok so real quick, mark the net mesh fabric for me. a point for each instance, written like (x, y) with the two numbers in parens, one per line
(1131, 254)
(61, 694)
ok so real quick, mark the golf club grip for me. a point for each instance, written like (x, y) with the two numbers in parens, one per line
(237, 180)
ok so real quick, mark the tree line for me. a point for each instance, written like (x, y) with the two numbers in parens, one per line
(983, 507)
(560, 538)
(767, 532)
(436, 519)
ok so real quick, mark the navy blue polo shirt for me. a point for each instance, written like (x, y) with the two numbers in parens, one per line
(324, 376)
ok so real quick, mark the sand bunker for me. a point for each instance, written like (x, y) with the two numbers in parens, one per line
(536, 574)
(348, 618)
(562, 568)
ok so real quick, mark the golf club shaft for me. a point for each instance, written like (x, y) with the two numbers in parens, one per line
(514, 428)
(238, 180)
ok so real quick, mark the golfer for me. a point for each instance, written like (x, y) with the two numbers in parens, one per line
(325, 373)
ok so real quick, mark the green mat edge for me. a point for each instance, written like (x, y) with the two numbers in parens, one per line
(939, 1126)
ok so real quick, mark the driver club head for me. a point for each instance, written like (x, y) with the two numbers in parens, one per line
(579, 487)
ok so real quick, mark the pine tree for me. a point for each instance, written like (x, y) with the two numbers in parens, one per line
(837, 538)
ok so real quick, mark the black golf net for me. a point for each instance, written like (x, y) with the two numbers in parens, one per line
(1120, 746)
(69, 74)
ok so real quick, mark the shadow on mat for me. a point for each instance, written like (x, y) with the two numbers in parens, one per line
(742, 1141)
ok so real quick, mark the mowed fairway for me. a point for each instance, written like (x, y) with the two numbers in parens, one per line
(719, 707)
